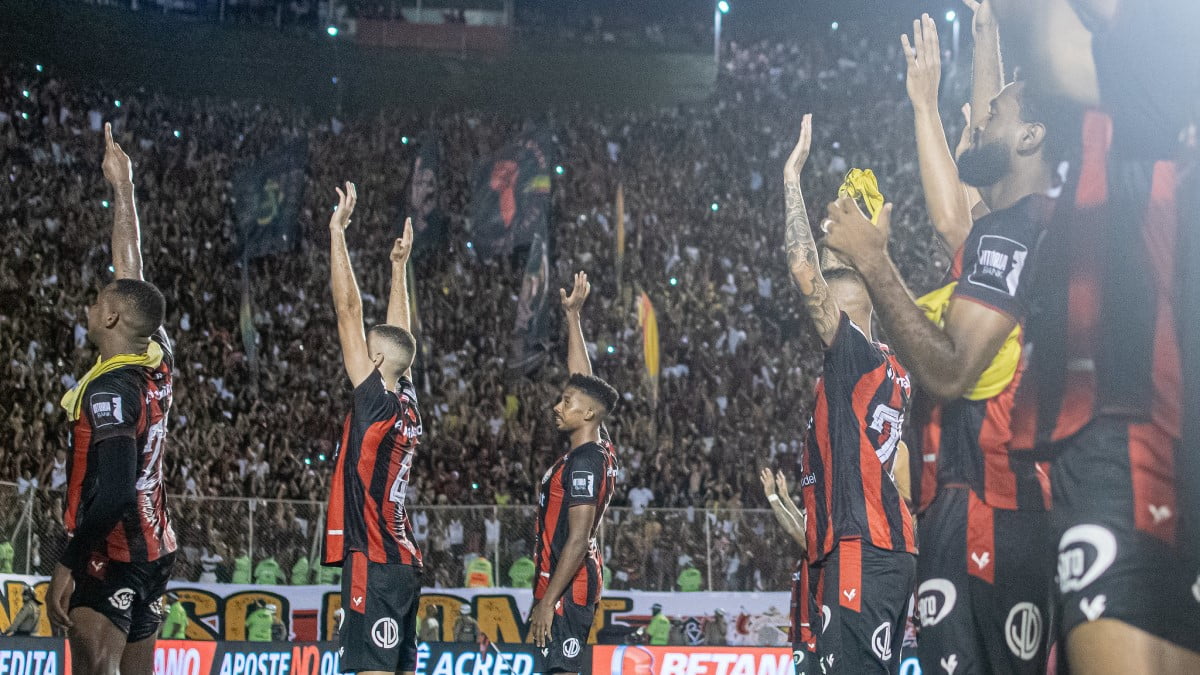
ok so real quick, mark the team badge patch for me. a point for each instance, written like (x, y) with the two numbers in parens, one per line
(583, 484)
(999, 264)
(106, 410)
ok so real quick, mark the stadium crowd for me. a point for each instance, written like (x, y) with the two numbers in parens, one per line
(704, 211)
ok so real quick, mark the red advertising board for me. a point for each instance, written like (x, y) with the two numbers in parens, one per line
(639, 660)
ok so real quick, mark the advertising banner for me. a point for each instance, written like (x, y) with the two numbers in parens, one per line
(220, 611)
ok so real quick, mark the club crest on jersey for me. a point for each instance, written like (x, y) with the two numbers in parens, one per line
(122, 599)
(583, 484)
(106, 410)
(935, 600)
(999, 264)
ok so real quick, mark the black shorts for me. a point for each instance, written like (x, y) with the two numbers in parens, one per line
(569, 632)
(129, 594)
(1115, 521)
(983, 587)
(862, 593)
(379, 618)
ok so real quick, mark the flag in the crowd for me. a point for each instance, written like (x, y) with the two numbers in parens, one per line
(246, 320)
(531, 332)
(422, 197)
(648, 321)
(268, 195)
(510, 195)
(620, 208)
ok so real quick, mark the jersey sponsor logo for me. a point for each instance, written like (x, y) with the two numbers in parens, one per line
(106, 410)
(583, 484)
(122, 599)
(385, 633)
(881, 642)
(571, 648)
(1084, 553)
(809, 479)
(999, 264)
(935, 600)
(950, 663)
(1023, 630)
(1093, 608)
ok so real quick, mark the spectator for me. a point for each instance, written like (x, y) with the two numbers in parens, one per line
(430, 630)
(466, 629)
(175, 625)
(25, 623)
(716, 630)
(660, 627)
(260, 622)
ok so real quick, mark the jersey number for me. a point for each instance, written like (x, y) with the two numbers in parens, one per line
(887, 420)
(152, 469)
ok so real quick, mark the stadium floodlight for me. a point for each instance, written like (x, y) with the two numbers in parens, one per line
(715, 207)
(104, 203)
(951, 16)
(117, 103)
(25, 93)
(332, 30)
(404, 140)
(674, 281)
(39, 67)
(723, 6)
(559, 170)
(177, 133)
(612, 349)
(833, 26)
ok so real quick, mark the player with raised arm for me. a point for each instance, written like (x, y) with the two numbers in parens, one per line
(860, 542)
(986, 552)
(791, 519)
(368, 531)
(107, 586)
(572, 498)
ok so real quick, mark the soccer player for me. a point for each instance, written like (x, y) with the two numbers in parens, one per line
(1113, 386)
(986, 558)
(368, 530)
(860, 542)
(572, 498)
(106, 588)
(791, 519)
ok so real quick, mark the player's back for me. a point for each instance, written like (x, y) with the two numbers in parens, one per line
(371, 474)
(846, 462)
(132, 401)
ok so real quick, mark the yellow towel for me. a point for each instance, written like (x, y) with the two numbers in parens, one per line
(861, 184)
(73, 399)
(1002, 369)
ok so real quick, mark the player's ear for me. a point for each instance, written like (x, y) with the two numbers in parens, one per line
(111, 319)
(590, 414)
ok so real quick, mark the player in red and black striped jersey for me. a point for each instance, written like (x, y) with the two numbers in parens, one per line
(1113, 385)
(368, 531)
(107, 586)
(986, 560)
(800, 634)
(860, 541)
(572, 498)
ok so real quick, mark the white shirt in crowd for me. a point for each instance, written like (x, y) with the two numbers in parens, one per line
(420, 525)
(639, 499)
(456, 532)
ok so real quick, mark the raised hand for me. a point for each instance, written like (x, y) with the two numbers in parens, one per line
(768, 481)
(964, 140)
(781, 482)
(402, 249)
(985, 19)
(340, 219)
(118, 170)
(573, 303)
(924, 56)
(795, 161)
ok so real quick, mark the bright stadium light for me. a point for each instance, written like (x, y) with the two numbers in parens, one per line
(25, 93)
(177, 133)
(332, 30)
(117, 103)
(833, 26)
(723, 6)
(404, 140)
(715, 207)
(612, 349)
(951, 16)
(674, 281)
(39, 67)
(559, 170)
(104, 203)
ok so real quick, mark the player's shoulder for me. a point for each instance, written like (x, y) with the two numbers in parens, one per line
(112, 399)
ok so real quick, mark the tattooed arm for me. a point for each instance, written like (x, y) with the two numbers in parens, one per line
(803, 260)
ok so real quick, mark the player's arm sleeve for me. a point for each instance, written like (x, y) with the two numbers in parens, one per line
(585, 477)
(116, 466)
(995, 267)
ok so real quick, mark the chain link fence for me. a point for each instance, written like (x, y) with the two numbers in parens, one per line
(279, 541)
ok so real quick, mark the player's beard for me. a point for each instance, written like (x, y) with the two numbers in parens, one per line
(983, 166)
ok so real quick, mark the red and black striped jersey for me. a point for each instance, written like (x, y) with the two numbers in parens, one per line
(968, 442)
(371, 472)
(846, 463)
(800, 632)
(131, 401)
(585, 475)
